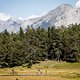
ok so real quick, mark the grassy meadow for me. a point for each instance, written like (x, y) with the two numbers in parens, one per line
(49, 70)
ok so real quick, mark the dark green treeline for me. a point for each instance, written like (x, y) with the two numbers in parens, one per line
(62, 44)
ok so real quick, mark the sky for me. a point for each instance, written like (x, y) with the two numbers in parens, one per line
(31, 8)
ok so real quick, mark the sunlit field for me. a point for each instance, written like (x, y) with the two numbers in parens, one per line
(49, 70)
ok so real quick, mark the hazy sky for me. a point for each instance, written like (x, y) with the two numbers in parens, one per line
(26, 8)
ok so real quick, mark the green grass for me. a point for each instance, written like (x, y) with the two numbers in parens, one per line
(68, 65)
(55, 64)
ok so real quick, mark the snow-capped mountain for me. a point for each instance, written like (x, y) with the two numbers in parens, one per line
(10, 23)
(29, 22)
(64, 15)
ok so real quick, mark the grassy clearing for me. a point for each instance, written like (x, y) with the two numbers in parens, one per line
(55, 71)
(68, 65)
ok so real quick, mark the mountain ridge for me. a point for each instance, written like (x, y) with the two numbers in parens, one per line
(64, 15)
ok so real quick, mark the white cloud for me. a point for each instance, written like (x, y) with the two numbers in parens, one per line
(78, 4)
(20, 18)
(4, 17)
(33, 16)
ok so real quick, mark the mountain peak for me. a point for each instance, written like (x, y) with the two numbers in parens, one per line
(62, 15)
(66, 5)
